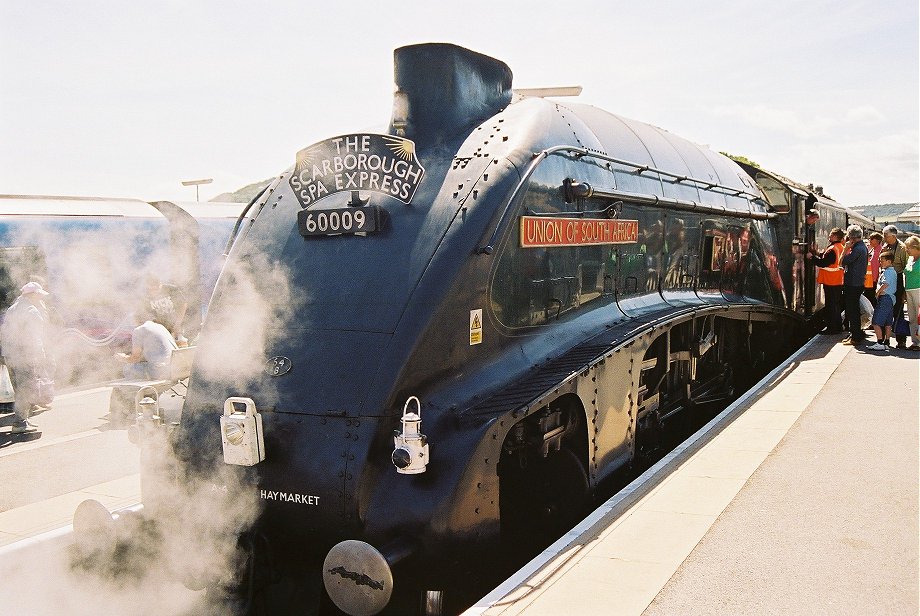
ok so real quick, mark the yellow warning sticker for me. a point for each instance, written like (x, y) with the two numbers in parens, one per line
(475, 326)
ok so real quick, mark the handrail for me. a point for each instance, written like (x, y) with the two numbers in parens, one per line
(489, 248)
(640, 168)
(584, 190)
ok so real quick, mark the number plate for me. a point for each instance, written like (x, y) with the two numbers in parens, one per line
(338, 220)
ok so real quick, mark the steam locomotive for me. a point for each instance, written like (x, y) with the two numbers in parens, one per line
(433, 343)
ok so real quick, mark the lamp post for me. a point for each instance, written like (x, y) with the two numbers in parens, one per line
(196, 184)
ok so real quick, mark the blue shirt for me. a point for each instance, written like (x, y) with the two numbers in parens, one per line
(891, 277)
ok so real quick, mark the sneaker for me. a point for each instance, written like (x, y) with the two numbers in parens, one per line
(877, 347)
(24, 428)
(914, 347)
(902, 346)
(849, 341)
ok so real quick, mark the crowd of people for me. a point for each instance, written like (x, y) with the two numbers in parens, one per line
(31, 325)
(884, 270)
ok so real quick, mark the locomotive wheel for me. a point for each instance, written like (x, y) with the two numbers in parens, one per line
(542, 500)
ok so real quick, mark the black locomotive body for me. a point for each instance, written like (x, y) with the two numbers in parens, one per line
(548, 281)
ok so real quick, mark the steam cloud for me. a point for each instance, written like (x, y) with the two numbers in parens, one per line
(198, 520)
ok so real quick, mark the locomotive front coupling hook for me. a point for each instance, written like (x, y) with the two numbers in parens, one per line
(410, 456)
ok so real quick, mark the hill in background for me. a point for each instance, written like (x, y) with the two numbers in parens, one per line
(245, 194)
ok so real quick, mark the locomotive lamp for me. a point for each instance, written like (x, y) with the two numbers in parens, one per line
(411, 454)
(241, 433)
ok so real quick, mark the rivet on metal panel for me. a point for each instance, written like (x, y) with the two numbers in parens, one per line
(341, 474)
(351, 458)
(477, 509)
(348, 435)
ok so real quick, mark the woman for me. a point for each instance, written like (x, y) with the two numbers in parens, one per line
(875, 249)
(912, 289)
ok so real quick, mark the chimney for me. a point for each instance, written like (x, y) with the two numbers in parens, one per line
(443, 90)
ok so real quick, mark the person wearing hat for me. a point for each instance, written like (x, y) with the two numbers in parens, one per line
(23, 335)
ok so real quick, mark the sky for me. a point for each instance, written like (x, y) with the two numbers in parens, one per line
(128, 99)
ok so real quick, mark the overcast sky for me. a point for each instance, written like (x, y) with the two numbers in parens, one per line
(129, 98)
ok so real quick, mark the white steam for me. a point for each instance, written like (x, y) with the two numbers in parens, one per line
(257, 299)
(198, 522)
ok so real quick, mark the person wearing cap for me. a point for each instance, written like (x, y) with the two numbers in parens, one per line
(896, 246)
(25, 348)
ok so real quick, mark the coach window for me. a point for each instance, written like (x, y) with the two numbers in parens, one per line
(533, 286)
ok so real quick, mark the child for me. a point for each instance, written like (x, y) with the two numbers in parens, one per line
(884, 310)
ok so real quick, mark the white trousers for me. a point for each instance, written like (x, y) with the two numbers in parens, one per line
(913, 306)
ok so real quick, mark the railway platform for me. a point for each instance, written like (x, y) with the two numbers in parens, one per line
(801, 498)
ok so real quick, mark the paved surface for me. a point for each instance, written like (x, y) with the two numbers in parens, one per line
(80, 454)
(807, 503)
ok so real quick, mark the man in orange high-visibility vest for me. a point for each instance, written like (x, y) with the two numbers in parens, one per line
(830, 277)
